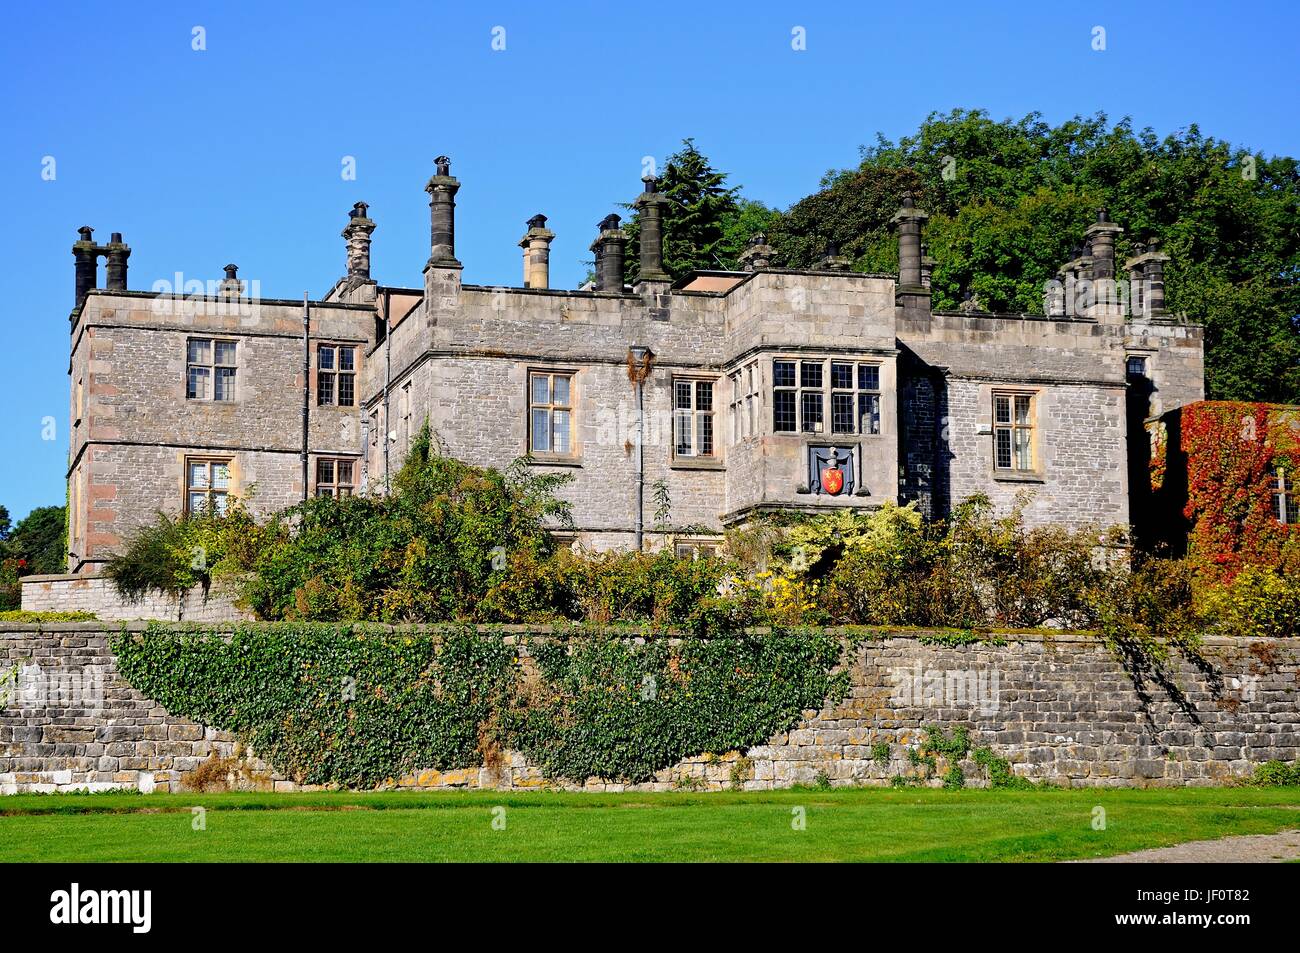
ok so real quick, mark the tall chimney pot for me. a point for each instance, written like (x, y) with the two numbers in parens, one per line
(442, 189)
(536, 244)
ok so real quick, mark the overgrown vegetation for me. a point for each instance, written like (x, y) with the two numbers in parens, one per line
(37, 545)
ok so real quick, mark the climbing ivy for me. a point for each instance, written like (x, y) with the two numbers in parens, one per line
(359, 706)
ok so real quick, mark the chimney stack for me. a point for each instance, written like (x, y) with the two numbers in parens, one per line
(608, 247)
(1101, 236)
(231, 286)
(357, 236)
(1147, 274)
(117, 253)
(536, 244)
(911, 291)
(650, 205)
(86, 254)
(442, 190)
(757, 254)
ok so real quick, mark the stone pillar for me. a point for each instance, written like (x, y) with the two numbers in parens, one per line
(86, 254)
(1147, 273)
(909, 220)
(757, 254)
(609, 247)
(650, 205)
(357, 236)
(442, 189)
(117, 252)
(231, 286)
(536, 244)
(910, 292)
(832, 260)
(1101, 236)
(927, 266)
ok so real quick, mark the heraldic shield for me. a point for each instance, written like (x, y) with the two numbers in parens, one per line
(831, 471)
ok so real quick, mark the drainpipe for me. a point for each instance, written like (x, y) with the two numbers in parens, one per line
(639, 358)
(306, 389)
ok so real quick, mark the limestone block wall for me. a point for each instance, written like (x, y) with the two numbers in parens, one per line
(1061, 708)
(86, 593)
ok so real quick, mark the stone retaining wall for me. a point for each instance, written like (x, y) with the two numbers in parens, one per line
(92, 593)
(1062, 708)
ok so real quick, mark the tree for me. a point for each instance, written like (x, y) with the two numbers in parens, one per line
(1008, 200)
(706, 223)
(40, 541)
(6, 524)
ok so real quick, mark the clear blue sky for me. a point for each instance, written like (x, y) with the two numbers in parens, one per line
(234, 153)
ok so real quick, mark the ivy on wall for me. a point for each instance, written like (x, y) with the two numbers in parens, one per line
(359, 706)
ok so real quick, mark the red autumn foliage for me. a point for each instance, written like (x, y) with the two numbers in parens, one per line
(1231, 449)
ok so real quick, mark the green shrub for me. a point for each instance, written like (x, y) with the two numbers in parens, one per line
(1276, 774)
(20, 615)
(1259, 602)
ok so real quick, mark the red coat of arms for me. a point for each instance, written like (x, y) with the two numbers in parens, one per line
(832, 479)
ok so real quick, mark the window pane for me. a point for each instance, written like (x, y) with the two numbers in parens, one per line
(324, 388)
(869, 412)
(783, 418)
(541, 389)
(682, 425)
(541, 428)
(842, 413)
(196, 387)
(347, 356)
(842, 376)
(1022, 409)
(810, 373)
(324, 471)
(346, 384)
(1002, 408)
(198, 502)
(1024, 459)
(704, 445)
(1292, 508)
(220, 476)
(560, 431)
(1137, 367)
(703, 395)
(811, 413)
(682, 395)
(325, 360)
(868, 377)
(200, 351)
(225, 389)
(560, 391)
(783, 373)
(198, 476)
(324, 490)
(344, 468)
(1003, 449)
(226, 353)
(219, 503)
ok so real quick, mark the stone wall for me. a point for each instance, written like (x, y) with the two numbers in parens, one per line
(86, 593)
(1061, 708)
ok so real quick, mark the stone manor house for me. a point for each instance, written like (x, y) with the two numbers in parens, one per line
(734, 393)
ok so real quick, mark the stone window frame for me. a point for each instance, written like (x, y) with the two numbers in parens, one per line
(212, 366)
(744, 382)
(1012, 426)
(1285, 495)
(211, 491)
(694, 547)
(570, 407)
(821, 396)
(335, 375)
(334, 485)
(693, 381)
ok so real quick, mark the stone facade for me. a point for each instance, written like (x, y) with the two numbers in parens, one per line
(1061, 708)
(777, 368)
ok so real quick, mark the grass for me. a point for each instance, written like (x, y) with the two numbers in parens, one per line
(841, 825)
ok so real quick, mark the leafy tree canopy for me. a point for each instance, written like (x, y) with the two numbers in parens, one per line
(40, 538)
(1010, 199)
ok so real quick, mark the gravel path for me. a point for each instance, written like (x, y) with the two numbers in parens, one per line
(1245, 849)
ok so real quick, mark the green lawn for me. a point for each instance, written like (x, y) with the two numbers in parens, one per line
(846, 824)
